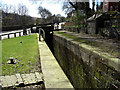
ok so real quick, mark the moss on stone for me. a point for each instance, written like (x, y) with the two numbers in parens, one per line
(80, 72)
(95, 44)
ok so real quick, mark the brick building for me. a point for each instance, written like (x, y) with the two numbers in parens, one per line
(111, 6)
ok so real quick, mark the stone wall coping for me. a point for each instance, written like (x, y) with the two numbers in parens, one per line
(112, 61)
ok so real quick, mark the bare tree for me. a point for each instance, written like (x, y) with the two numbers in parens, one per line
(71, 5)
(5, 8)
(100, 7)
(22, 9)
(67, 7)
(10, 9)
(44, 13)
(15, 10)
(93, 5)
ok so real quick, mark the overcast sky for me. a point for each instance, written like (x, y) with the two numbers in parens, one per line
(54, 6)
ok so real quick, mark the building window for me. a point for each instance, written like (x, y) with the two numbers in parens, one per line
(111, 8)
(105, 9)
(105, 3)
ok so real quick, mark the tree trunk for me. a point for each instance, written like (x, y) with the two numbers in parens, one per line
(93, 5)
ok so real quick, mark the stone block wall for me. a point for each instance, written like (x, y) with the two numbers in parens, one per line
(107, 28)
(91, 27)
(85, 66)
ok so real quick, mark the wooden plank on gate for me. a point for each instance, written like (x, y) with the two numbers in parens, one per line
(9, 81)
(14, 80)
(3, 81)
(19, 79)
(39, 76)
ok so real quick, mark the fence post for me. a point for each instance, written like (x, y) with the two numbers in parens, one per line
(8, 36)
(14, 34)
(26, 32)
(29, 32)
(19, 33)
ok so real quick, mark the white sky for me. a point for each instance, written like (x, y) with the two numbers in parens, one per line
(53, 7)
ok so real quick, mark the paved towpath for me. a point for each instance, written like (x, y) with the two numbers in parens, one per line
(20, 79)
(53, 75)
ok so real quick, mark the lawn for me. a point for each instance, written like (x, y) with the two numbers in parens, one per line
(25, 50)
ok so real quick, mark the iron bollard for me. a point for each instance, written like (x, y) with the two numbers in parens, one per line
(11, 60)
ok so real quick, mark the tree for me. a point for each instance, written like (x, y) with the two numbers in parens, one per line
(70, 6)
(5, 8)
(44, 13)
(79, 11)
(8, 8)
(93, 5)
(11, 9)
(67, 7)
(97, 7)
(37, 21)
(100, 7)
(22, 9)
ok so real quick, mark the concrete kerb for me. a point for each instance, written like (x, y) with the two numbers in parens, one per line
(53, 75)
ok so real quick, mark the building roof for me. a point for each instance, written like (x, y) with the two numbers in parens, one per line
(94, 17)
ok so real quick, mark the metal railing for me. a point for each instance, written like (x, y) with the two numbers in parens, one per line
(14, 32)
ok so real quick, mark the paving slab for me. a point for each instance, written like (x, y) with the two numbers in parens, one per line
(33, 78)
(25, 79)
(14, 80)
(8, 79)
(20, 81)
(54, 76)
(17, 79)
(38, 76)
(3, 81)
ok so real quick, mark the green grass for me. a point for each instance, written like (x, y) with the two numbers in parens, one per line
(82, 40)
(26, 52)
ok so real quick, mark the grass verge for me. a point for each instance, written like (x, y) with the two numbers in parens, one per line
(103, 48)
(25, 52)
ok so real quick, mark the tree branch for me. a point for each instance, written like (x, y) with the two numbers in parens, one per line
(72, 5)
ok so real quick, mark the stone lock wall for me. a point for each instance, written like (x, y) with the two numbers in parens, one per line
(85, 66)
